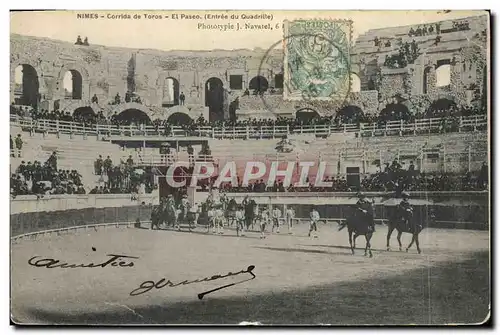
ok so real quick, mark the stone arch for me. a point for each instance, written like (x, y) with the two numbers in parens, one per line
(170, 92)
(440, 107)
(443, 73)
(179, 118)
(258, 83)
(73, 68)
(355, 83)
(24, 60)
(214, 98)
(72, 106)
(395, 112)
(117, 109)
(72, 85)
(84, 112)
(133, 116)
(350, 113)
(26, 85)
(306, 115)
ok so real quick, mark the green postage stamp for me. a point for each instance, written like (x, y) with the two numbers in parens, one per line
(317, 64)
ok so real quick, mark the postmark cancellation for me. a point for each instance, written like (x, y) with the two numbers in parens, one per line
(317, 59)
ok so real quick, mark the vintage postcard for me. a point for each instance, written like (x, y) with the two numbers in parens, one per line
(250, 167)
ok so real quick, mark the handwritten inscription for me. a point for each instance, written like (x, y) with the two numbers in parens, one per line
(51, 263)
(149, 284)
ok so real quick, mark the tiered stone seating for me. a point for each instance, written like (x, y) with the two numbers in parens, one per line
(73, 153)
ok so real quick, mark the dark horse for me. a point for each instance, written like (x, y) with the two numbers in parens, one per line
(156, 216)
(359, 224)
(250, 213)
(404, 222)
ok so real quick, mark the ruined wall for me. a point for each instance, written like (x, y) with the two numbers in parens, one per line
(107, 71)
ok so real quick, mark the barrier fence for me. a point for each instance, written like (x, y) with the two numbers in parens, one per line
(420, 126)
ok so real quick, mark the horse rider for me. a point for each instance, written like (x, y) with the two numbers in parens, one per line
(276, 216)
(289, 216)
(314, 216)
(405, 210)
(365, 208)
(223, 198)
(245, 200)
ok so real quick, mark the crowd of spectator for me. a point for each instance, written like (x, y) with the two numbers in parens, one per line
(124, 178)
(392, 178)
(46, 178)
(191, 126)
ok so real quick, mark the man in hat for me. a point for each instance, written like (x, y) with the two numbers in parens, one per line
(19, 145)
(365, 209)
(185, 207)
(264, 218)
(314, 216)
(405, 211)
(276, 214)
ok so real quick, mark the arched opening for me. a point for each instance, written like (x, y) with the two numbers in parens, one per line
(26, 91)
(170, 92)
(443, 75)
(395, 112)
(133, 116)
(258, 84)
(355, 83)
(306, 115)
(72, 83)
(426, 79)
(440, 107)
(349, 114)
(214, 99)
(179, 119)
(84, 114)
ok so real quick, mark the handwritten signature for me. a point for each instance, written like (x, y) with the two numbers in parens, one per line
(51, 263)
(149, 284)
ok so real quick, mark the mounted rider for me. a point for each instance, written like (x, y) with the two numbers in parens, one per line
(224, 198)
(405, 210)
(364, 208)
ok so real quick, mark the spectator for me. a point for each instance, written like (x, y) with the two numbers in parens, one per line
(19, 145)
(12, 154)
(182, 98)
(108, 163)
(98, 165)
(483, 176)
(52, 161)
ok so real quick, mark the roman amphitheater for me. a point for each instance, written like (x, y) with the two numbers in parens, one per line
(416, 120)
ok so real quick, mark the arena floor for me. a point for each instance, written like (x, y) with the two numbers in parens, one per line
(299, 280)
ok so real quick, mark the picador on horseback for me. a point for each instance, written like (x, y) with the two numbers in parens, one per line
(405, 212)
(364, 210)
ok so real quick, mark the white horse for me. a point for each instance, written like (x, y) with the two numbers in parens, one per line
(216, 221)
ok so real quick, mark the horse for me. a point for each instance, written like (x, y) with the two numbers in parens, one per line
(250, 208)
(170, 214)
(404, 222)
(213, 216)
(230, 211)
(156, 216)
(359, 224)
(216, 220)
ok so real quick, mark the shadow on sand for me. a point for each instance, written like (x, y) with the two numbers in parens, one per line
(456, 292)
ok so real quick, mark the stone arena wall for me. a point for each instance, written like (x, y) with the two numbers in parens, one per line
(466, 210)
